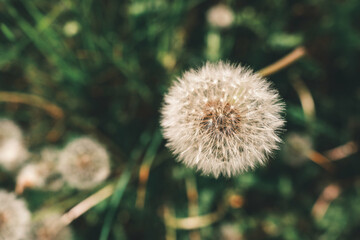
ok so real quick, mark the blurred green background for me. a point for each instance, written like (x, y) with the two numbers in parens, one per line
(107, 65)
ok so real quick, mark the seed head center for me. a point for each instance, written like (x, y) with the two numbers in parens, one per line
(44, 233)
(2, 219)
(220, 118)
(84, 160)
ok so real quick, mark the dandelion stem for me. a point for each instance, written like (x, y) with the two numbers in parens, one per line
(87, 204)
(306, 99)
(81, 208)
(192, 195)
(296, 54)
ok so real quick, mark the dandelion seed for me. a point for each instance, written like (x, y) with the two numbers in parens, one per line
(14, 217)
(220, 16)
(12, 149)
(84, 163)
(41, 174)
(45, 228)
(232, 132)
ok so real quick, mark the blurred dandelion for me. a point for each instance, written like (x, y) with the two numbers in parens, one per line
(45, 228)
(222, 119)
(14, 217)
(297, 148)
(12, 149)
(84, 163)
(230, 232)
(220, 16)
(42, 174)
(71, 28)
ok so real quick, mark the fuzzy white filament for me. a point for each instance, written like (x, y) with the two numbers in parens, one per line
(222, 119)
(14, 217)
(84, 163)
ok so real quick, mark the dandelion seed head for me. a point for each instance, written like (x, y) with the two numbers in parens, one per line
(12, 149)
(14, 217)
(230, 232)
(220, 16)
(222, 119)
(84, 163)
(296, 148)
(42, 173)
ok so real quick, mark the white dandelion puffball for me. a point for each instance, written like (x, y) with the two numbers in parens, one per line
(42, 174)
(84, 163)
(222, 119)
(220, 16)
(230, 232)
(12, 149)
(46, 228)
(14, 217)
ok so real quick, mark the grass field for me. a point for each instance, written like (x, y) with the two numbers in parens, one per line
(101, 68)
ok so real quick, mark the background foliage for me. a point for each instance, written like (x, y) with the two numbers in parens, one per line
(107, 65)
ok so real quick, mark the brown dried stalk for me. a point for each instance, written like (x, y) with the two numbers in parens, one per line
(143, 178)
(306, 99)
(321, 160)
(81, 208)
(342, 151)
(32, 100)
(36, 101)
(329, 194)
(190, 223)
(296, 54)
(86, 204)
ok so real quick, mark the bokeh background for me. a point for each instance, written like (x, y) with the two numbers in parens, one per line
(106, 65)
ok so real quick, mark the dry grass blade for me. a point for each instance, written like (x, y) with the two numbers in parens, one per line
(296, 54)
(329, 194)
(342, 151)
(191, 223)
(33, 100)
(306, 99)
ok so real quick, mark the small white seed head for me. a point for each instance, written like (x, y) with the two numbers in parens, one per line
(84, 163)
(220, 16)
(14, 217)
(42, 173)
(12, 148)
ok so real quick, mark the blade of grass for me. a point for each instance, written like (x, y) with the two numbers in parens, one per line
(7, 32)
(122, 184)
(45, 47)
(8, 55)
(115, 200)
(145, 168)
